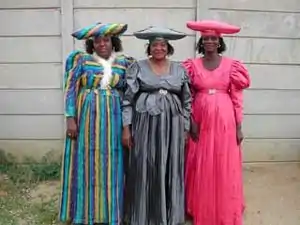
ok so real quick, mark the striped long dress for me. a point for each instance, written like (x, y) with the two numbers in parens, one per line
(92, 173)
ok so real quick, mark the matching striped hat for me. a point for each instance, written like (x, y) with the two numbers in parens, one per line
(100, 29)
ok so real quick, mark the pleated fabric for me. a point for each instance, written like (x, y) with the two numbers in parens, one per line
(155, 182)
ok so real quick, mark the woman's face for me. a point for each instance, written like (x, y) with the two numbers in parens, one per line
(103, 46)
(210, 43)
(159, 49)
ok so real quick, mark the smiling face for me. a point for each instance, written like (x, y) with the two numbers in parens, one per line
(210, 43)
(103, 46)
(159, 49)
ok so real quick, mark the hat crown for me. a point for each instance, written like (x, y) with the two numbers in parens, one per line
(100, 29)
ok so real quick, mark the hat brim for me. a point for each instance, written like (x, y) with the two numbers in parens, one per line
(149, 36)
(219, 27)
(159, 32)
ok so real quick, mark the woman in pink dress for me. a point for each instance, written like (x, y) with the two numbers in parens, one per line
(214, 189)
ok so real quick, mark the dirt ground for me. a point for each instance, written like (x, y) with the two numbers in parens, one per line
(272, 194)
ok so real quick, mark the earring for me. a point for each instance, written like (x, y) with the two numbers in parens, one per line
(219, 46)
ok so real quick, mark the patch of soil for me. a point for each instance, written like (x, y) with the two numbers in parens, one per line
(272, 193)
(45, 192)
(3, 185)
(22, 222)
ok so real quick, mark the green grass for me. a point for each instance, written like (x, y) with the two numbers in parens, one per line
(28, 192)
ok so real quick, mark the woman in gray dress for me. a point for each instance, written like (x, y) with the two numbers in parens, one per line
(156, 119)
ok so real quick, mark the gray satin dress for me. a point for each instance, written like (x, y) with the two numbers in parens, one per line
(158, 110)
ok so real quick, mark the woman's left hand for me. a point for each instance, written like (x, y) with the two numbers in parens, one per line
(239, 136)
(126, 138)
(186, 136)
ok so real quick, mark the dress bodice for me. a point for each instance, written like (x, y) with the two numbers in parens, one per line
(84, 72)
(92, 72)
(153, 90)
(148, 93)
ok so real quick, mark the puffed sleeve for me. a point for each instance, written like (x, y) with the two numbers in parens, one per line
(125, 61)
(190, 70)
(129, 61)
(73, 70)
(240, 80)
(132, 89)
(186, 100)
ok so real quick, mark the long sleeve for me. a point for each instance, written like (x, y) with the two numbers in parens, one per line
(189, 67)
(73, 70)
(186, 101)
(132, 89)
(240, 80)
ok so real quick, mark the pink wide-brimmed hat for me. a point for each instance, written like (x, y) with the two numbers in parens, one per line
(212, 27)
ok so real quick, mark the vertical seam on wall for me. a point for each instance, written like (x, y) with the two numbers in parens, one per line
(195, 33)
(67, 41)
(67, 26)
(202, 12)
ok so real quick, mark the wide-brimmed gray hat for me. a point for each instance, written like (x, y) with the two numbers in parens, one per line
(154, 32)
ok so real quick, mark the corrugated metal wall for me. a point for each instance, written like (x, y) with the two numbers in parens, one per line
(36, 39)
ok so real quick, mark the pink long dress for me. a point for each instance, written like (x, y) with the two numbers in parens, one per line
(213, 177)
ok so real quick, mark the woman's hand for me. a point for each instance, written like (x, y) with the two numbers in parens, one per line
(127, 138)
(186, 136)
(239, 134)
(71, 128)
(194, 131)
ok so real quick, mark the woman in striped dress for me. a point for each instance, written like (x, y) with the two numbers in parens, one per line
(92, 174)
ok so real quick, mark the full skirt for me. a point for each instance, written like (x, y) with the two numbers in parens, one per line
(92, 172)
(213, 177)
(154, 192)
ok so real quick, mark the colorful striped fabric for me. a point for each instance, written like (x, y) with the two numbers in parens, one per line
(92, 174)
(100, 29)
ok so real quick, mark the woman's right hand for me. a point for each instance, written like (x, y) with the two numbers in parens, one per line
(71, 128)
(194, 132)
(127, 138)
